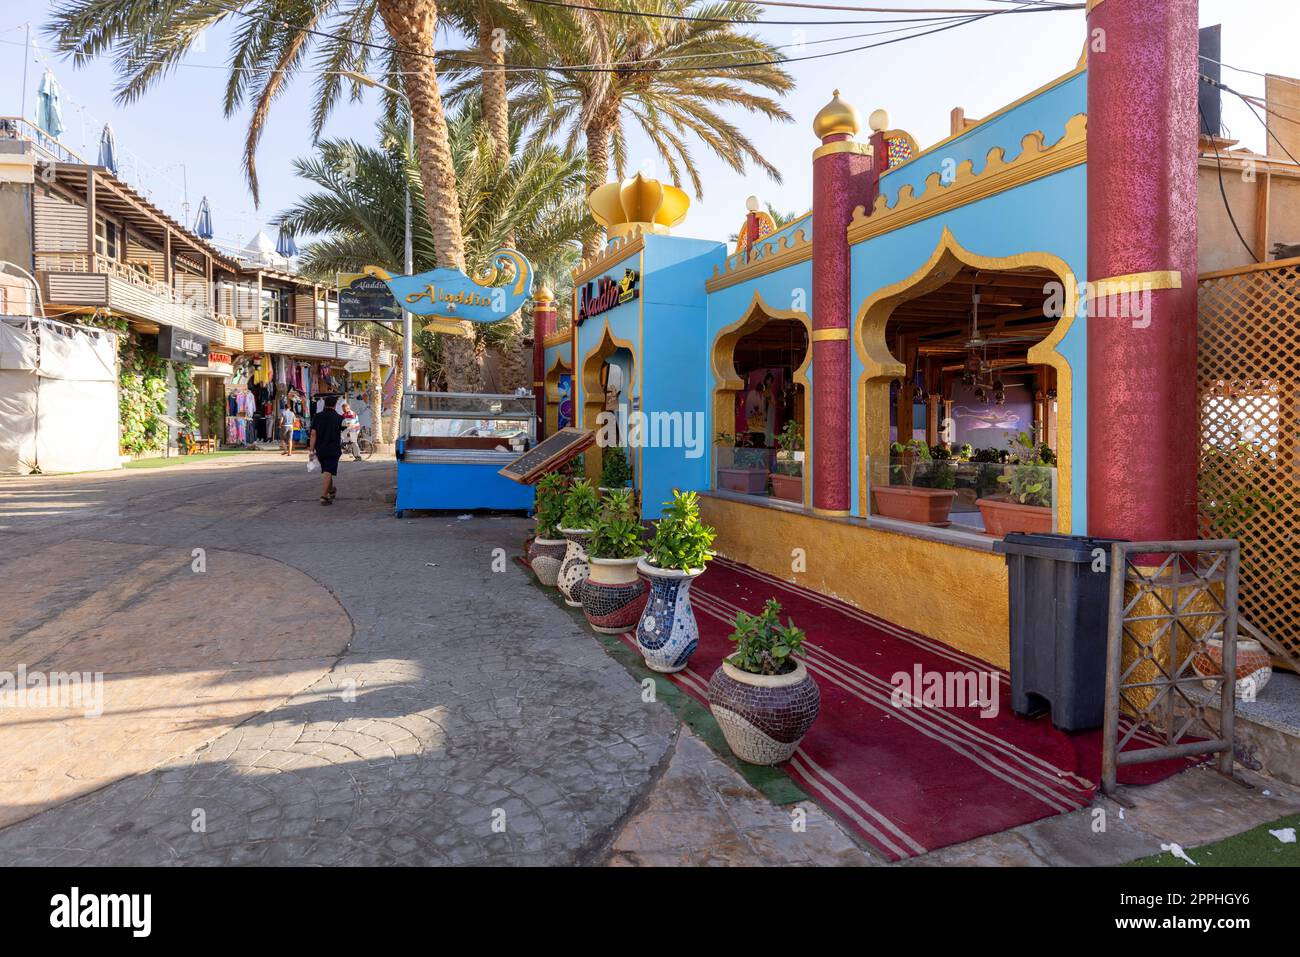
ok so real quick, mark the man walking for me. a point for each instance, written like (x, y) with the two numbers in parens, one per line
(326, 443)
(286, 428)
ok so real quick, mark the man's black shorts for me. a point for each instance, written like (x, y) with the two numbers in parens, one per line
(329, 463)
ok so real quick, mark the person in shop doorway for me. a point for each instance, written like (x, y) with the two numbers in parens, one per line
(325, 443)
(286, 428)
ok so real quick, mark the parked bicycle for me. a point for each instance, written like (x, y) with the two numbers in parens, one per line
(360, 445)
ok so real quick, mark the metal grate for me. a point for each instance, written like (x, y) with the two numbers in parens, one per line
(1166, 600)
(1248, 374)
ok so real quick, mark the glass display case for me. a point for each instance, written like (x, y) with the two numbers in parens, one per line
(452, 446)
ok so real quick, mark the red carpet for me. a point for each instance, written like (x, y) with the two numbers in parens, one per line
(908, 780)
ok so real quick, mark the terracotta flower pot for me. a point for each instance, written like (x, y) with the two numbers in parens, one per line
(1254, 666)
(545, 556)
(748, 481)
(764, 717)
(667, 633)
(786, 487)
(573, 568)
(1002, 517)
(614, 594)
(926, 506)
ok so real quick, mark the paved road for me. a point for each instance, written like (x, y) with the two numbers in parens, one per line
(464, 720)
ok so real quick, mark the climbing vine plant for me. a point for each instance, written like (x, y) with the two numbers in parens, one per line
(187, 397)
(142, 397)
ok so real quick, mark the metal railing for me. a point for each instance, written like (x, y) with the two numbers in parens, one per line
(1163, 611)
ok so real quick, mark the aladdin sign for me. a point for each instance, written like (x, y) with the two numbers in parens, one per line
(449, 295)
(603, 294)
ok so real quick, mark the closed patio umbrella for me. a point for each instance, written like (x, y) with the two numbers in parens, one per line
(284, 244)
(203, 222)
(108, 150)
(49, 112)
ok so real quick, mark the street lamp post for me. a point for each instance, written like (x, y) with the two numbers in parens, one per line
(408, 246)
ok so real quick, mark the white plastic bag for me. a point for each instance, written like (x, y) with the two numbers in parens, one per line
(313, 464)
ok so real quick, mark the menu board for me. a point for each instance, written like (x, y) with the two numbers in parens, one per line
(548, 455)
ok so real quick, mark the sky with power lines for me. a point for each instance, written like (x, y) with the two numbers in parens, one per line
(175, 145)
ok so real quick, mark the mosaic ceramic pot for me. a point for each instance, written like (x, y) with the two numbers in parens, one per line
(545, 556)
(614, 594)
(667, 633)
(573, 568)
(764, 717)
(1254, 666)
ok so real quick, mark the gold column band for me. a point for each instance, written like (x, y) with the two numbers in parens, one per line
(831, 512)
(830, 335)
(843, 146)
(1093, 5)
(1162, 279)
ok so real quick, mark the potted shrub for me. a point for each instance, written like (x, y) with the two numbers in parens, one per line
(546, 551)
(762, 696)
(667, 633)
(741, 469)
(1025, 505)
(581, 507)
(614, 595)
(615, 472)
(787, 475)
(901, 498)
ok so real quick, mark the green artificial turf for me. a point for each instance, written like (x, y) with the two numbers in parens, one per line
(162, 462)
(773, 783)
(1253, 848)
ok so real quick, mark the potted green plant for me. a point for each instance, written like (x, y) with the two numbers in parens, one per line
(614, 595)
(741, 469)
(581, 508)
(904, 498)
(667, 633)
(548, 546)
(615, 472)
(762, 696)
(787, 475)
(1025, 504)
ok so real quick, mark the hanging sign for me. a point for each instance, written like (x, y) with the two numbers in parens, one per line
(449, 296)
(181, 346)
(365, 298)
(603, 294)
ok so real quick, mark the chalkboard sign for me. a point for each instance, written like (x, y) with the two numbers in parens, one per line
(549, 455)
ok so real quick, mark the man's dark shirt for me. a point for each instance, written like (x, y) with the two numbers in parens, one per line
(328, 426)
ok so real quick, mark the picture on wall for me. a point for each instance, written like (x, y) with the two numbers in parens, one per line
(985, 425)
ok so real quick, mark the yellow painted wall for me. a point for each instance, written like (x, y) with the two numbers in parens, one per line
(957, 595)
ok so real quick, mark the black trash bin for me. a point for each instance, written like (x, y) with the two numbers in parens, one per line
(1058, 607)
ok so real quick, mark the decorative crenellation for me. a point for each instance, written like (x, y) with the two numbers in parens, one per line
(781, 251)
(617, 249)
(1035, 160)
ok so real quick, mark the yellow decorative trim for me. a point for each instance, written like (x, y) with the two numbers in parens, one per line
(992, 116)
(558, 338)
(794, 247)
(558, 368)
(1161, 279)
(830, 335)
(1093, 5)
(618, 249)
(843, 146)
(593, 397)
(537, 384)
(727, 381)
(880, 367)
(831, 512)
(1035, 161)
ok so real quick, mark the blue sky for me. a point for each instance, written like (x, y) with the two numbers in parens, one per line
(175, 140)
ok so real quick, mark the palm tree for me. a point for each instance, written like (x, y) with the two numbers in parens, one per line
(537, 196)
(779, 218)
(270, 43)
(669, 77)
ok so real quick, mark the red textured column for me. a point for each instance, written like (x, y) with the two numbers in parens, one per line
(1142, 133)
(544, 321)
(842, 172)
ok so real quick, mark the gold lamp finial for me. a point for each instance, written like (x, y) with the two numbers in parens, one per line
(837, 116)
(638, 202)
(543, 294)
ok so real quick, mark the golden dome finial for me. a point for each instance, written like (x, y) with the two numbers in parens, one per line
(837, 116)
(638, 204)
(543, 294)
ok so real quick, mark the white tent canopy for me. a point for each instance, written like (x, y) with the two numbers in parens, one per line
(58, 397)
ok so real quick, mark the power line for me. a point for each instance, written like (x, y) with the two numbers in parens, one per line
(1218, 162)
(1026, 7)
(1251, 107)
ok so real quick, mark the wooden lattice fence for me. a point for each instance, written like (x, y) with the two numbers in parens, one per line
(1249, 384)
